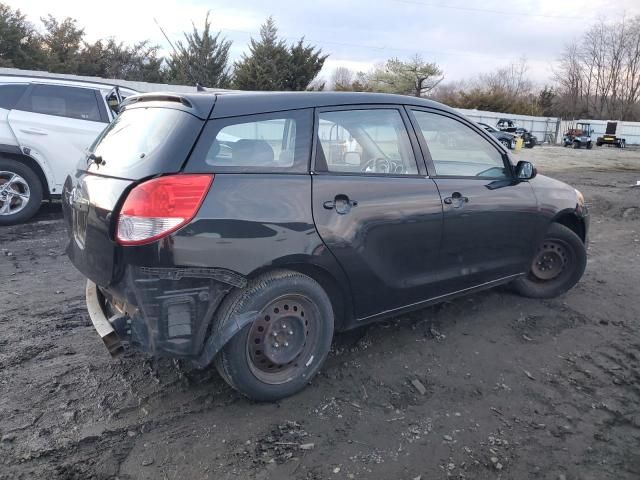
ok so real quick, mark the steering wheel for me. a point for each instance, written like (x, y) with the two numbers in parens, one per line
(377, 165)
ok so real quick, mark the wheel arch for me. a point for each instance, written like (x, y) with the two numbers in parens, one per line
(339, 294)
(32, 164)
(573, 222)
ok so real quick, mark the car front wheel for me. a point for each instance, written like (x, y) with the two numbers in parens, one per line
(283, 348)
(557, 265)
(20, 192)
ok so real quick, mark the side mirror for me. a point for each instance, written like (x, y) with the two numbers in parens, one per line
(525, 170)
(113, 102)
(352, 158)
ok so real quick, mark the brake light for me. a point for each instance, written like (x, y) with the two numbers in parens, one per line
(160, 206)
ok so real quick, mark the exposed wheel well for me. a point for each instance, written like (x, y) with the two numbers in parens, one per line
(341, 308)
(33, 165)
(572, 222)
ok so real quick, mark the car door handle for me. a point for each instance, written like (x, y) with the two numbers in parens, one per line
(341, 204)
(456, 199)
(33, 131)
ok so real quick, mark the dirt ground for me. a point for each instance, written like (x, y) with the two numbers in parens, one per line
(513, 388)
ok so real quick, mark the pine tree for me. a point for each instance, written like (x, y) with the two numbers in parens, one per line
(203, 59)
(272, 65)
(305, 62)
(414, 77)
(266, 65)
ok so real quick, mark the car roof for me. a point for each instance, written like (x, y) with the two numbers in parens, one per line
(247, 103)
(27, 79)
(230, 103)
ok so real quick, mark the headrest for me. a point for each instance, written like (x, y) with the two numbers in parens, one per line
(252, 152)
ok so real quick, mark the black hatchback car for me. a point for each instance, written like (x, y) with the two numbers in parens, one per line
(243, 229)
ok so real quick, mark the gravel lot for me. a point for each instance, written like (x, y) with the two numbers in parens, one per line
(488, 386)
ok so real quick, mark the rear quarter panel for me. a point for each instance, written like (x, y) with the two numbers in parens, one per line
(247, 223)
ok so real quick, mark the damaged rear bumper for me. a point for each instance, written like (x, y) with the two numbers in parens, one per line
(100, 321)
(165, 312)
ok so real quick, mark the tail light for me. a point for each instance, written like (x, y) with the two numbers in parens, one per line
(160, 206)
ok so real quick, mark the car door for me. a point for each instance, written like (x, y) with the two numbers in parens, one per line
(490, 218)
(56, 123)
(374, 206)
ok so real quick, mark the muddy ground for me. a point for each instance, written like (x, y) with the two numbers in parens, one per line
(513, 388)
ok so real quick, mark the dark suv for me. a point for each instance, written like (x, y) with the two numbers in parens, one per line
(243, 229)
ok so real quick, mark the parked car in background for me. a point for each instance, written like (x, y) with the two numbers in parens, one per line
(243, 229)
(529, 140)
(46, 124)
(505, 138)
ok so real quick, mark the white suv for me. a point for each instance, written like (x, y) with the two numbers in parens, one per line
(45, 126)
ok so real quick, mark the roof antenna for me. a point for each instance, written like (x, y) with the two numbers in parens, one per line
(175, 51)
(200, 88)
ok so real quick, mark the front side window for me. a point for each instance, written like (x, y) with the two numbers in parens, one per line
(71, 102)
(373, 141)
(457, 150)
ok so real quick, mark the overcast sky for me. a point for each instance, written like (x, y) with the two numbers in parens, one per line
(464, 37)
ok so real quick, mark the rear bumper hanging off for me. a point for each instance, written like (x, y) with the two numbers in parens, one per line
(166, 312)
(100, 321)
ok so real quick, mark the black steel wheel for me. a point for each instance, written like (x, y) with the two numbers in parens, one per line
(283, 348)
(557, 265)
(551, 259)
(281, 339)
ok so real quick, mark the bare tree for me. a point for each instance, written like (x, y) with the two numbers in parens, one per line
(599, 75)
(341, 79)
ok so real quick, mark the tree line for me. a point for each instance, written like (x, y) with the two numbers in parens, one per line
(200, 57)
(596, 76)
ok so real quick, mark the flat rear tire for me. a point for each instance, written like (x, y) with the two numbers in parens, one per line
(279, 353)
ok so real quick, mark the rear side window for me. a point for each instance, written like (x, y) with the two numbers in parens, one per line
(258, 143)
(71, 102)
(10, 94)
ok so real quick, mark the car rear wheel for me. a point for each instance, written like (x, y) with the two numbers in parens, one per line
(557, 265)
(20, 192)
(283, 348)
(506, 144)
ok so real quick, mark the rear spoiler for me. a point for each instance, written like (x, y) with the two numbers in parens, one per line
(156, 97)
(197, 104)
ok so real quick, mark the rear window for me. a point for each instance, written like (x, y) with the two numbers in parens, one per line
(10, 94)
(145, 141)
(258, 143)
